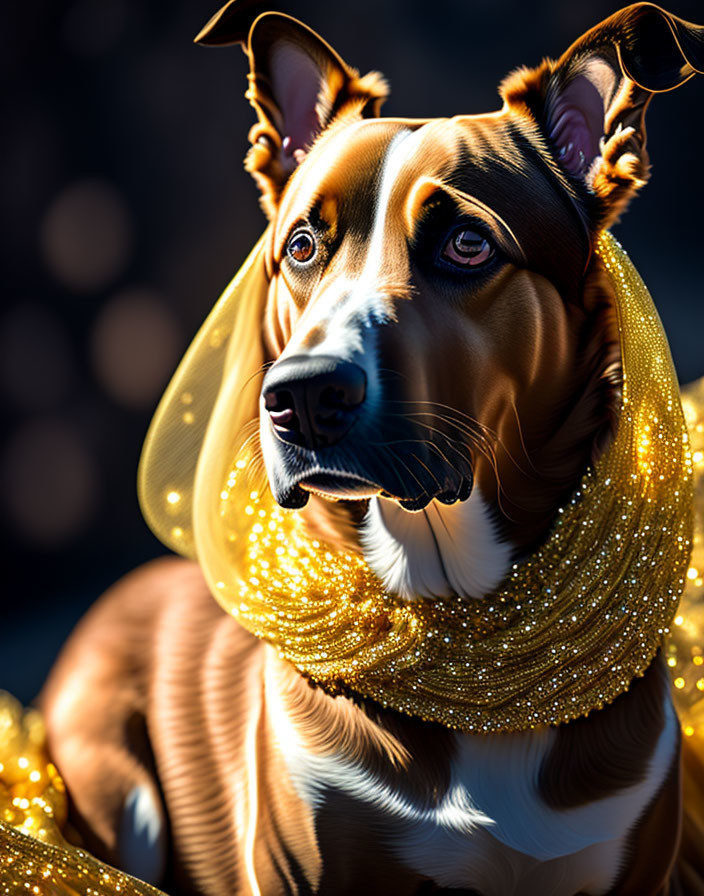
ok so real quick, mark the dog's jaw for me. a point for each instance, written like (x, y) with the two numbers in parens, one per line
(438, 551)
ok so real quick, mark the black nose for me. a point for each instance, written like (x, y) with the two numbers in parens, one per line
(313, 401)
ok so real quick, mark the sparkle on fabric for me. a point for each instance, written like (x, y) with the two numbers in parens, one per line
(34, 856)
(685, 644)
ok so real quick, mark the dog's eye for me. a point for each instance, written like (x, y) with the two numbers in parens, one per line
(301, 246)
(467, 248)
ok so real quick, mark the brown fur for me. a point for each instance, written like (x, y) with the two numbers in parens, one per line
(608, 750)
(657, 837)
(207, 691)
(688, 879)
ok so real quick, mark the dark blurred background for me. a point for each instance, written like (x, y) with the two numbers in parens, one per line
(126, 210)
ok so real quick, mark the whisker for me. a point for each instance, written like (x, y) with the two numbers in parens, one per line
(437, 431)
(427, 469)
(522, 440)
(395, 373)
(470, 431)
(446, 407)
(260, 370)
(395, 457)
(486, 450)
(446, 460)
(428, 443)
(476, 439)
(479, 438)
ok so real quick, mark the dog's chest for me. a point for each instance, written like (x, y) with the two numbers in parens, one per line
(489, 830)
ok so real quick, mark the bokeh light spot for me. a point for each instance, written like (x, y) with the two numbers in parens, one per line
(135, 345)
(86, 236)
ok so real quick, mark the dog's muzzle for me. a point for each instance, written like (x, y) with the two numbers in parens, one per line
(313, 402)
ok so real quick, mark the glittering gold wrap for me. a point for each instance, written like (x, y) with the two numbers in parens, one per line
(567, 631)
(685, 645)
(34, 856)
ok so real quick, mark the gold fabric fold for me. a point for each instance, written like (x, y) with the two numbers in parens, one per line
(35, 857)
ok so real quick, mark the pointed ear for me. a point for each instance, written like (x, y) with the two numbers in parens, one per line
(297, 84)
(231, 23)
(590, 105)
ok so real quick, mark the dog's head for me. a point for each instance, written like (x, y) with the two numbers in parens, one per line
(440, 342)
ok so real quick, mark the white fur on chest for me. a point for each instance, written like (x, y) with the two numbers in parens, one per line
(490, 830)
(444, 549)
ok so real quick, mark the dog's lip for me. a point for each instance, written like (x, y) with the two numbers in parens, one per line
(338, 486)
(459, 494)
(333, 480)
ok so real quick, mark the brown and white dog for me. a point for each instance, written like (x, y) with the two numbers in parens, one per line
(443, 365)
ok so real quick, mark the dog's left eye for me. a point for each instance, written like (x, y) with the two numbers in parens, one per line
(301, 246)
(468, 249)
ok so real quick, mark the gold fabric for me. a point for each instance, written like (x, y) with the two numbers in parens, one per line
(34, 856)
(567, 631)
(229, 340)
(685, 645)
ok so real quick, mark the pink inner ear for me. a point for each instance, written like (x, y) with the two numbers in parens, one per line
(296, 80)
(576, 125)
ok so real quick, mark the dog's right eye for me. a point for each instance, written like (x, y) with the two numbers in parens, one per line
(301, 246)
(467, 249)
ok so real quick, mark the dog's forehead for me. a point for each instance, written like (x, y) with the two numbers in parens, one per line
(496, 160)
(342, 170)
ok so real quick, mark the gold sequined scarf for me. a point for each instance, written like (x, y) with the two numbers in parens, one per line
(567, 631)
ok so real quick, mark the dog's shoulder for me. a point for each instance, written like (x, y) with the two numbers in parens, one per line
(122, 640)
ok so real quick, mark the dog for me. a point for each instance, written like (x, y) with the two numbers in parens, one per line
(442, 365)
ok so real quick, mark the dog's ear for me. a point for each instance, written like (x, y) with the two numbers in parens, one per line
(591, 103)
(297, 84)
(231, 23)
